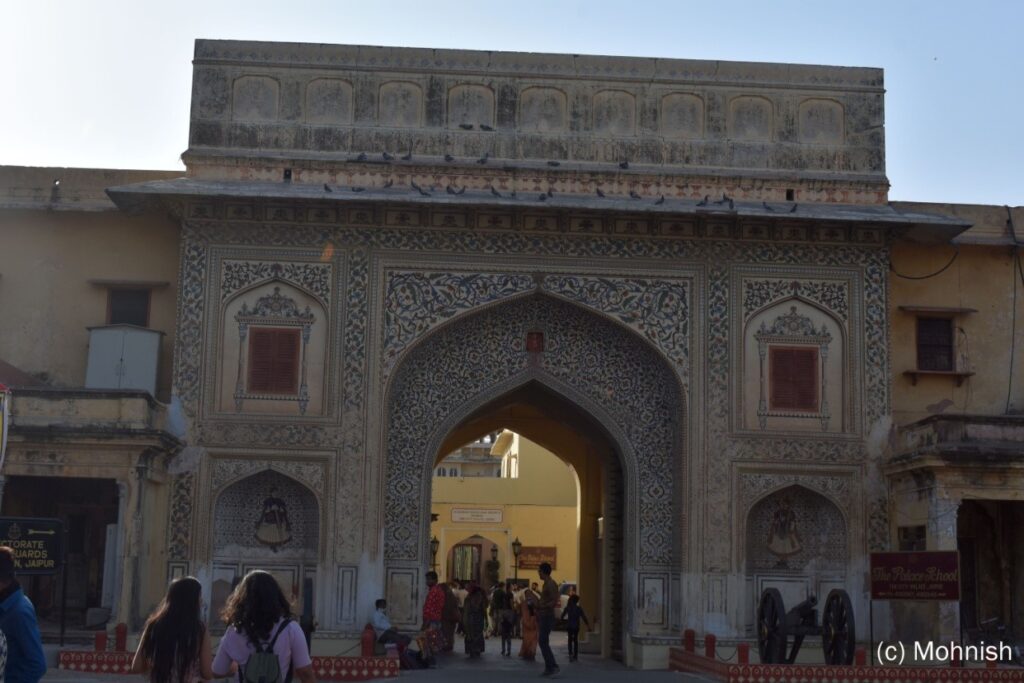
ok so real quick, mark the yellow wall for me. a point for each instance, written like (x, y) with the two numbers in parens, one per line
(539, 507)
(48, 258)
(982, 277)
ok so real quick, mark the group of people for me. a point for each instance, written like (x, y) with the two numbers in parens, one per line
(532, 610)
(264, 643)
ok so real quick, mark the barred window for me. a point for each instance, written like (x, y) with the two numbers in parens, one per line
(794, 379)
(274, 360)
(935, 344)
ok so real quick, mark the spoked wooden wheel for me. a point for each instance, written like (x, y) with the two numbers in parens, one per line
(838, 632)
(771, 635)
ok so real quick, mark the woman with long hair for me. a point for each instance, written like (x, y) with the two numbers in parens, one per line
(259, 620)
(175, 646)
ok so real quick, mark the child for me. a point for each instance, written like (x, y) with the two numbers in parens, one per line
(573, 614)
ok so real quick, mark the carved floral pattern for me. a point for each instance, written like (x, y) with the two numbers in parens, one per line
(416, 301)
(832, 295)
(230, 469)
(312, 277)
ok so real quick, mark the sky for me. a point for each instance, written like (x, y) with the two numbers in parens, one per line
(106, 84)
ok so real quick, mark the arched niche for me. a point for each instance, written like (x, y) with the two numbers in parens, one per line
(796, 540)
(470, 104)
(542, 110)
(300, 321)
(267, 521)
(614, 113)
(329, 100)
(400, 105)
(821, 122)
(750, 118)
(254, 98)
(682, 116)
(794, 369)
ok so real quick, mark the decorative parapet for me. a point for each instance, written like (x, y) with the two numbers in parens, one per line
(596, 114)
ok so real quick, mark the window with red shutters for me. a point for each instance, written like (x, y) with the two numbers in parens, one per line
(274, 361)
(794, 379)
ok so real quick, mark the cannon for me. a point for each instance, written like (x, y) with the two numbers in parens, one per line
(775, 625)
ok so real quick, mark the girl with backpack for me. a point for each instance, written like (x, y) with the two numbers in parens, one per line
(175, 646)
(263, 643)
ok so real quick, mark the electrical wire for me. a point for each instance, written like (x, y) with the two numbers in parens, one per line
(925, 277)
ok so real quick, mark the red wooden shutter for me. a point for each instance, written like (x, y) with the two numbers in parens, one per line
(794, 379)
(274, 361)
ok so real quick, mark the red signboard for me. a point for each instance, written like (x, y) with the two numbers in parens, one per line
(531, 556)
(915, 576)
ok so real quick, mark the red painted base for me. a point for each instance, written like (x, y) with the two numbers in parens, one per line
(691, 662)
(325, 668)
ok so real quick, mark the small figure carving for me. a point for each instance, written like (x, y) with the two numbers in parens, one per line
(273, 528)
(783, 539)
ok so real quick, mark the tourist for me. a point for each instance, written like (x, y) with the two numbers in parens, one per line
(433, 641)
(3, 655)
(262, 639)
(25, 662)
(497, 599)
(573, 615)
(452, 616)
(474, 620)
(549, 600)
(528, 620)
(386, 633)
(505, 616)
(175, 645)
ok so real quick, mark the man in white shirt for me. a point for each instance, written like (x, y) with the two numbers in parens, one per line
(386, 633)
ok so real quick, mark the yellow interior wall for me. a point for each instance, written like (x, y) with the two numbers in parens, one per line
(981, 277)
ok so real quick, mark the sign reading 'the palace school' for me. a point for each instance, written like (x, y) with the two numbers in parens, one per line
(915, 576)
(38, 544)
(531, 556)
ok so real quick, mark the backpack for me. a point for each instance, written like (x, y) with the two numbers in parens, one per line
(263, 665)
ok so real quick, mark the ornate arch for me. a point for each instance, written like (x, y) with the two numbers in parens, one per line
(610, 372)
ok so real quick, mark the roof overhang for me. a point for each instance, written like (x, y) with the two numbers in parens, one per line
(156, 196)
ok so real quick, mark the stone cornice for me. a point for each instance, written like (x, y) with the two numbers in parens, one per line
(691, 72)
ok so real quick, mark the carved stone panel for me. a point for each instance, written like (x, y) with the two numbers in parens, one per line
(254, 98)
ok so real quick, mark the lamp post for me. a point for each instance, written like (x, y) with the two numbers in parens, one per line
(434, 545)
(517, 547)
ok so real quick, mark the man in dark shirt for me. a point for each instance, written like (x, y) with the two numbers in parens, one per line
(549, 601)
(25, 660)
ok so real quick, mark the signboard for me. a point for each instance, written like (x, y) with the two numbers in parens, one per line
(531, 556)
(915, 576)
(38, 544)
(476, 515)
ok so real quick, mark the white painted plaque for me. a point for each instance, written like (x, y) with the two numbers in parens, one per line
(476, 514)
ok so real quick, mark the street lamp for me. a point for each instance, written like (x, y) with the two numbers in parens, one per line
(517, 547)
(434, 545)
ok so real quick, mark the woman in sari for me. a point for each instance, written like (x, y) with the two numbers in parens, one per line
(528, 619)
(474, 620)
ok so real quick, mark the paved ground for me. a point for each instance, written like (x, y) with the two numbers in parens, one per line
(492, 668)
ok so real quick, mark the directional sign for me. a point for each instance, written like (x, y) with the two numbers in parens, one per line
(38, 544)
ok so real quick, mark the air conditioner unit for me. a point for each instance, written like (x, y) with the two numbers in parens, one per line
(123, 357)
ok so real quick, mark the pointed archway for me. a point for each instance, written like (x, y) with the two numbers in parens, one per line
(607, 373)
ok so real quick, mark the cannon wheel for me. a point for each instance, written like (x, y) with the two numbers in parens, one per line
(771, 631)
(838, 632)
